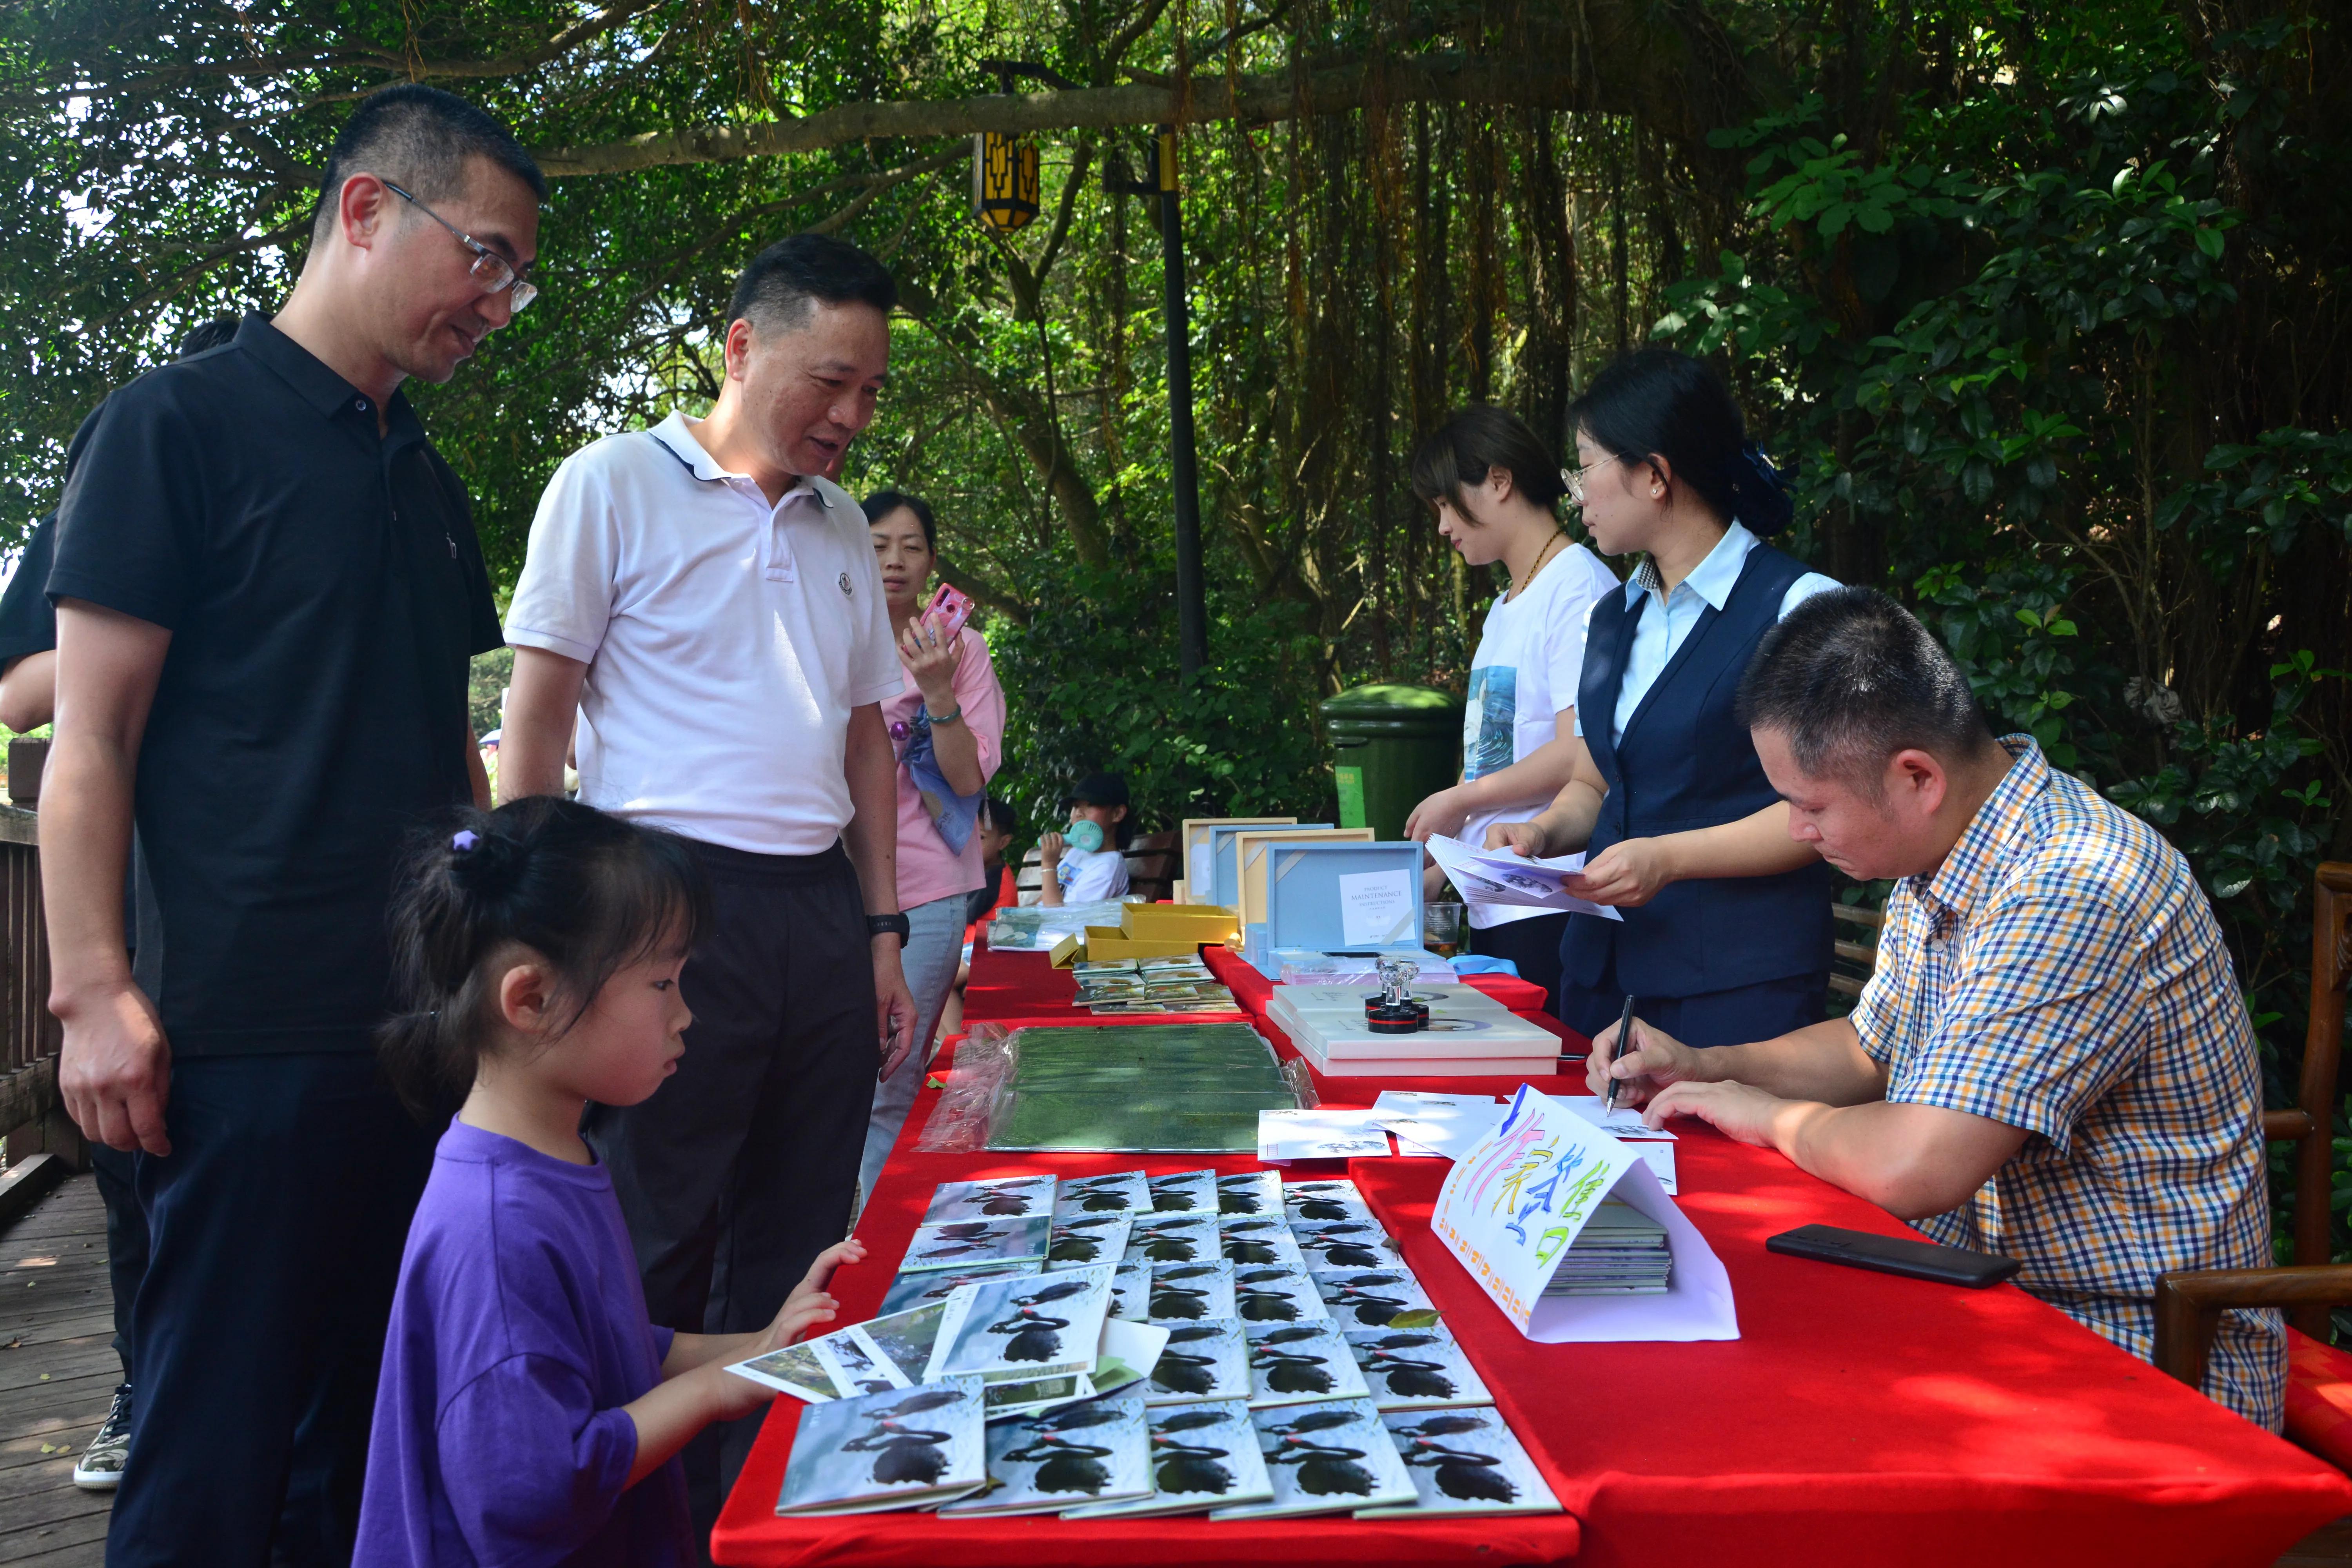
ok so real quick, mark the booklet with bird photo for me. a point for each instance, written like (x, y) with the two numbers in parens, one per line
(1098, 1451)
(1259, 1240)
(1464, 1461)
(1329, 1201)
(1370, 1297)
(1081, 1239)
(1121, 1192)
(1037, 1326)
(923, 1287)
(978, 1243)
(1416, 1369)
(1333, 1457)
(996, 1197)
(1188, 1292)
(1250, 1192)
(1174, 1237)
(1185, 1192)
(1292, 1364)
(1202, 1457)
(1130, 1291)
(1207, 1360)
(906, 1448)
(1277, 1293)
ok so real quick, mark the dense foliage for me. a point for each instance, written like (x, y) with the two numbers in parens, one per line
(2044, 310)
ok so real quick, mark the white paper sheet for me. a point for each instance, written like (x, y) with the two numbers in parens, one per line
(1499, 876)
(1375, 908)
(1329, 1134)
(1432, 1124)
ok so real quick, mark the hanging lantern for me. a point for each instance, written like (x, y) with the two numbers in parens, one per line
(1004, 181)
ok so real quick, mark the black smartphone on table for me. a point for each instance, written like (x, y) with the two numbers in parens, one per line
(1895, 1255)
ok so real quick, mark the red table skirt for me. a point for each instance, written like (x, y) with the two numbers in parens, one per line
(1859, 1419)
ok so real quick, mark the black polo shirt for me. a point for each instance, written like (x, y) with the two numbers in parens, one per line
(28, 623)
(324, 592)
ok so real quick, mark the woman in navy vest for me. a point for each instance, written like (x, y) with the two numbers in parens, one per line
(1725, 935)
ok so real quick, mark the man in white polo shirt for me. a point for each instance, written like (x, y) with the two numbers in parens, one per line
(708, 602)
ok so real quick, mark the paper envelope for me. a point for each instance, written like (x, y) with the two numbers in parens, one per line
(1514, 1204)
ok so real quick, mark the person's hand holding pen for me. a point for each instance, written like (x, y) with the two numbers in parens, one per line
(1654, 1060)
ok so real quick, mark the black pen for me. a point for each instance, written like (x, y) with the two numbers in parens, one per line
(1625, 1033)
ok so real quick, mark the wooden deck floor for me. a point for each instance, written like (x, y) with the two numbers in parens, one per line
(58, 1373)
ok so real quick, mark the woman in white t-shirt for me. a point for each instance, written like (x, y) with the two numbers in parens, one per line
(1495, 489)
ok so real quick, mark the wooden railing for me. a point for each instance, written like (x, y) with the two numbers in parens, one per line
(29, 1037)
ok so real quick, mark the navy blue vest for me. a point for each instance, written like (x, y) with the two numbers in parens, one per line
(1685, 762)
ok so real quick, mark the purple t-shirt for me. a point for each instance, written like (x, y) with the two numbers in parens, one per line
(518, 1332)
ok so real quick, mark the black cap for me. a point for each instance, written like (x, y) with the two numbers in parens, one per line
(1098, 789)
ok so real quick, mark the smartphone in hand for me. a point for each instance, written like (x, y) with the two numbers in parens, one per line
(950, 609)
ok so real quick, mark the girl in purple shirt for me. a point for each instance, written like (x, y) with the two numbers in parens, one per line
(528, 1412)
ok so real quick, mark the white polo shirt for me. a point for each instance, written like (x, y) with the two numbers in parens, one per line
(726, 640)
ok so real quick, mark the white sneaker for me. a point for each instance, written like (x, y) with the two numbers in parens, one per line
(100, 1468)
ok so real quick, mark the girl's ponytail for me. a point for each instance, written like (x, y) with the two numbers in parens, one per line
(543, 879)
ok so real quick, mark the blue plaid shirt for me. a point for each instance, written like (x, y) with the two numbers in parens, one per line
(2061, 972)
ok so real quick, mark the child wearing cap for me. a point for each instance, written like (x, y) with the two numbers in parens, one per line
(1085, 864)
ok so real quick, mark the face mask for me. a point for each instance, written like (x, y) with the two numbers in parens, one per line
(1086, 834)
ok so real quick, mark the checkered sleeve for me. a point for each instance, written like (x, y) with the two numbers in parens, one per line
(1877, 1015)
(2043, 1016)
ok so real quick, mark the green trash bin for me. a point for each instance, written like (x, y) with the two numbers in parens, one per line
(1392, 748)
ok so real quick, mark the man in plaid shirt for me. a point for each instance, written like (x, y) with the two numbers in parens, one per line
(2054, 1059)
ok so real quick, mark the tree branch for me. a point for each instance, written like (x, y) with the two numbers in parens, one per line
(1646, 72)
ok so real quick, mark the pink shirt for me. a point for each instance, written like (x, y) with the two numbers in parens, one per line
(926, 869)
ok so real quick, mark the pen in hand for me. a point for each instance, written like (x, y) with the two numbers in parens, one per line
(1625, 1033)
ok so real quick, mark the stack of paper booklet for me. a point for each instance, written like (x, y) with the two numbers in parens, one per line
(1172, 1087)
(1468, 1034)
(1122, 985)
(1621, 1251)
(1024, 928)
(1130, 1346)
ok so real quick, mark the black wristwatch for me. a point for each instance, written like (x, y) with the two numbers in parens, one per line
(876, 924)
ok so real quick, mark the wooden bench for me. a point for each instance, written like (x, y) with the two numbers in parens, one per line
(1855, 958)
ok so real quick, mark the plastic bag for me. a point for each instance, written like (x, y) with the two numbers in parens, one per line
(959, 1122)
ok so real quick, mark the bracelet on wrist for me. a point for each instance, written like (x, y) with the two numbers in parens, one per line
(939, 719)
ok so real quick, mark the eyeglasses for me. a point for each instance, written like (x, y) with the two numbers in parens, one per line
(490, 269)
(1575, 477)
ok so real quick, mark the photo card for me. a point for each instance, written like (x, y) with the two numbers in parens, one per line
(1130, 1290)
(1346, 1244)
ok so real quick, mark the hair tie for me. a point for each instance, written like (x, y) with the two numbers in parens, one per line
(464, 839)
(1761, 466)
(486, 865)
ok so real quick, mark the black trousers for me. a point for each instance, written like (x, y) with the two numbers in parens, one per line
(1533, 945)
(742, 1168)
(275, 1225)
(126, 1238)
(1739, 1017)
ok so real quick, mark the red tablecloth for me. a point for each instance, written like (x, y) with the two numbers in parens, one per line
(1860, 1418)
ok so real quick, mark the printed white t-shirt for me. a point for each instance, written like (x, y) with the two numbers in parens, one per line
(727, 640)
(1530, 657)
(1090, 876)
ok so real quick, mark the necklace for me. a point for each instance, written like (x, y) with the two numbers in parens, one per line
(1519, 586)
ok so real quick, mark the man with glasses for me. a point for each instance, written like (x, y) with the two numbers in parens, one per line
(269, 591)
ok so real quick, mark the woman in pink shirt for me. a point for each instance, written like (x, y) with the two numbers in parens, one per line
(948, 727)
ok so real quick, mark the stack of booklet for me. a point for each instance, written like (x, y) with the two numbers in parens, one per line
(1621, 1251)
(1125, 1345)
(1122, 985)
(1468, 1034)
